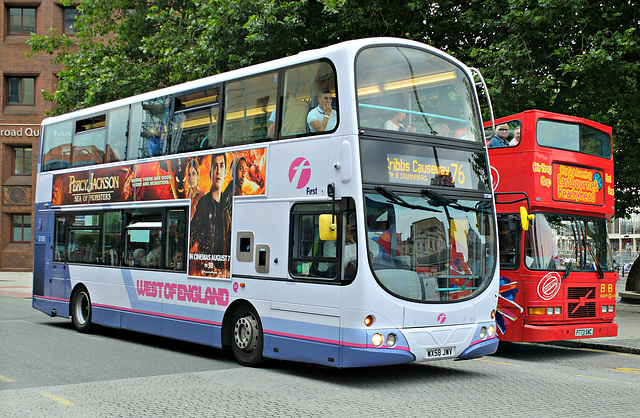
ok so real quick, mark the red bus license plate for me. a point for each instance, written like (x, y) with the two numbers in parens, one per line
(584, 332)
(440, 352)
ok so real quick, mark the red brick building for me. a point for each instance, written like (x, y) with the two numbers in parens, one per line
(22, 109)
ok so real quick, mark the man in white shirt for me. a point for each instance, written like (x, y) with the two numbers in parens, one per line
(322, 118)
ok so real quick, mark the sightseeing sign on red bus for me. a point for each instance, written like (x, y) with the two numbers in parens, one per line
(557, 279)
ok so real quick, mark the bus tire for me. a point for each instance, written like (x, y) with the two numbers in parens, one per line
(247, 340)
(81, 310)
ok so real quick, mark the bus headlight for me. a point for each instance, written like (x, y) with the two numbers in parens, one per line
(604, 308)
(377, 339)
(492, 331)
(483, 332)
(612, 308)
(391, 340)
(549, 311)
(537, 311)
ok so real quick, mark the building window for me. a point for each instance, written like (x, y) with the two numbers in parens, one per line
(21, 228)
(22, 160)
(22, 20)
(21, 90)
(70, 15)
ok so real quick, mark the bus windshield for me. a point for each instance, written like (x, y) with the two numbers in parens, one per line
(409, 90)
(560, 242)
(429, 248)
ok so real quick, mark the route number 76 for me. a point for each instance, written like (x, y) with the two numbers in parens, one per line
(458, 174)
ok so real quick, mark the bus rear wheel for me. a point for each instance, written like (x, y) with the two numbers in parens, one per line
(81, 310)
(247, 337)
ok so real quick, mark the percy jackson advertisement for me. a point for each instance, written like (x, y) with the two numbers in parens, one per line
(211, 182)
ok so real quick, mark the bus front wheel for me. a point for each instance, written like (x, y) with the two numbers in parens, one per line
(81, 310)
(247, 337)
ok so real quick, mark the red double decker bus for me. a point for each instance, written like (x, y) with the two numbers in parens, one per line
(553, 179)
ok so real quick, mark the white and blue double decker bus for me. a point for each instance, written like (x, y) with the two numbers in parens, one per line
(332, 207)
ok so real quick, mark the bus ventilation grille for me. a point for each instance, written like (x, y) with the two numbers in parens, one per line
(580, 308)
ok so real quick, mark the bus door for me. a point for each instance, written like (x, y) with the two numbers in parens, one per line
(309, 304)
(509, 231)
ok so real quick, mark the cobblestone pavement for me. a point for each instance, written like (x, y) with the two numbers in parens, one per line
(529, 380)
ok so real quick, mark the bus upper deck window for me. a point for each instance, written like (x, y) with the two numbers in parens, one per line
(248, 105)
(195, 120)
(415, 92)
(57, 146)
(306, 86)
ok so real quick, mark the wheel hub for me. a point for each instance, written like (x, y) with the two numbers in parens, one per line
(245, 333)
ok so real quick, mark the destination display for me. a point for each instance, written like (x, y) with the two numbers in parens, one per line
(424, 171)
(409, 164)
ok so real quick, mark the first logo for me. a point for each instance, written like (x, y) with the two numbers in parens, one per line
(300, 172)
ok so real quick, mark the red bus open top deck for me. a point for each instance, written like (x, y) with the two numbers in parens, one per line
(557, 279)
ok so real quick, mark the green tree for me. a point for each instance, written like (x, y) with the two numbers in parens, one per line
(575, 57)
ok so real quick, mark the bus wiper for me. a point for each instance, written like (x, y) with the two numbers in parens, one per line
(437, 199)
(588, 247)
(577, 240)
(567, 270)
(394, 198)
(595, 260)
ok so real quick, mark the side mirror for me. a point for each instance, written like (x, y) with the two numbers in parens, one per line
(525, 217)
(328, 228)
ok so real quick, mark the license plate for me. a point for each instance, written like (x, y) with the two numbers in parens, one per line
(440, 352)
(584, 332)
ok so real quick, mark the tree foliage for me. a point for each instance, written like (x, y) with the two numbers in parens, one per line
(576, 56)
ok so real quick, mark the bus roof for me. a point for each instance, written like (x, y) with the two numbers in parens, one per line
(339, 52)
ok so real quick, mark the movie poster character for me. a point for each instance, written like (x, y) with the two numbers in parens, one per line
(210, 238)
(249, 172)
(191, 181)
(239, 175)
(179, 178)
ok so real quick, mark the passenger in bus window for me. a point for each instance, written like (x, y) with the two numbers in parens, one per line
(322, 117)
(500, 138)
(395, 123)
(110, 257)
(348, 235)
(294, 117)
(177, 262)
(327, 269)
(271, 128)
(516, 138)
(349, 259)
(153, 257)
(441, 129)
(139, 258)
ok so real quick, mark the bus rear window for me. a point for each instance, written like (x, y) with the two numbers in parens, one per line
(573, 137)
